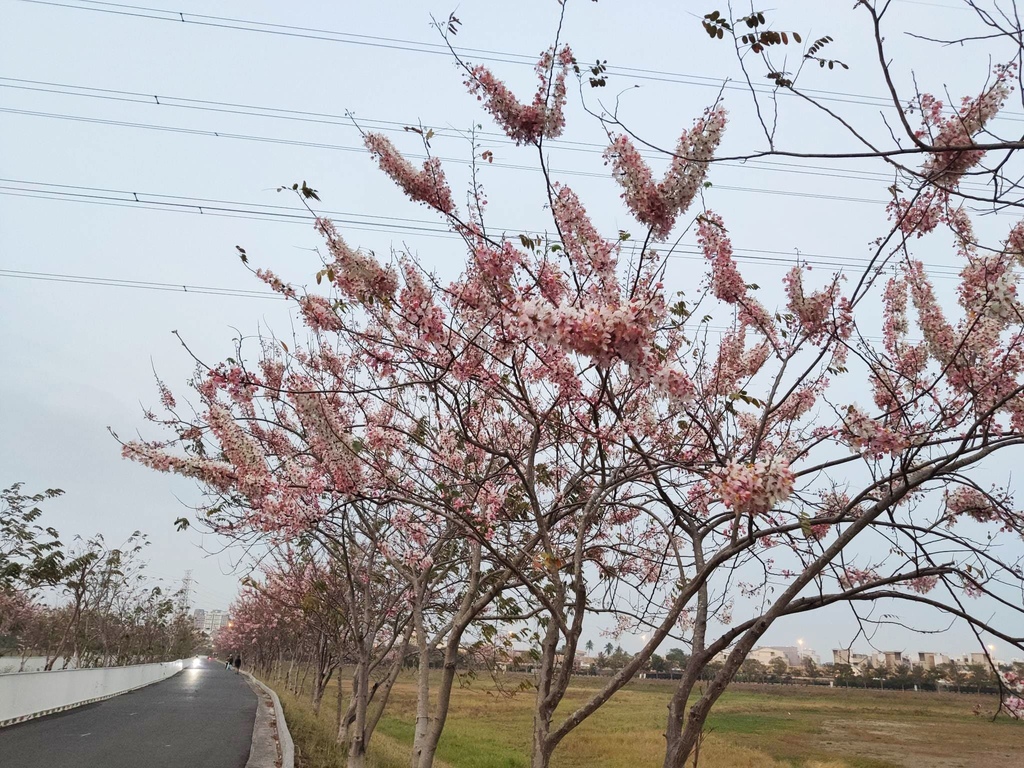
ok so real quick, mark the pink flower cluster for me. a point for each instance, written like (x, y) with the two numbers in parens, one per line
(857, 577)
(219, 475)
(357, 276)
(727, 284)
(526, 123)
(946, 166)
(329, 438)
(971, 502)
(600, 332)
(418, 306)
(604, 333)
(869, 435)
(427, 186)
(923, 584)
(937, 332)
(959, 130)
(166, 398)
(755, 488)
(989, 289)
(593, 256)
(1014, 705)
(820, 313)
(736, 363)
(319, 314)
(658, 204)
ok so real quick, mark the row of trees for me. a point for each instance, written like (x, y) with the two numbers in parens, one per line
(555, 440)
(85, 604)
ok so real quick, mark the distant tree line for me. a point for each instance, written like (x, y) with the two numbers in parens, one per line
(85, 604)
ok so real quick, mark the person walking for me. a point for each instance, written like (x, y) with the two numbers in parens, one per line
(238, 663)
(229, 662)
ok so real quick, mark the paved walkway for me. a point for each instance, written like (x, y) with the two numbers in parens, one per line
(203, 716)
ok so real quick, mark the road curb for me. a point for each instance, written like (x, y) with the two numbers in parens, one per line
(272, 745)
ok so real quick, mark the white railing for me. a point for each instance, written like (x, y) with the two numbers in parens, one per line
(31, 694)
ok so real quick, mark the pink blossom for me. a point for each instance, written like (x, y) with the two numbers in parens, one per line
(755, 488)
(357, 276)
(319, 314)
(418, 306)
(658, 204)
(869, 435)
(526, 123)
(965, 500)
(856, 577)
(593, 257)
(945, 167)
(820, 313)
(1014, 706)
(427, 186)
(727, 284)
(923, 584)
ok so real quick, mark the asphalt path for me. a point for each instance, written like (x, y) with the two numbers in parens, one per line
(203, 716)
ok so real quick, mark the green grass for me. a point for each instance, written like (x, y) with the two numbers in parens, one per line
(314, 742)
(751, 726)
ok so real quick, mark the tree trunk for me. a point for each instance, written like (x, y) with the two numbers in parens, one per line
(428, 747)
(360, 693)
(470, 606)
(676, 750)
(540, 753)
(423, 729)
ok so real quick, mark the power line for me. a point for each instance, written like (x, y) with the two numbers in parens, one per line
(305, 116)
(417, 156)
(366, 222)
(53, 277)
(415, 46)
(78, 280)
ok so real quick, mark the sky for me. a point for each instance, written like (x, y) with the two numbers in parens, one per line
(140, 144)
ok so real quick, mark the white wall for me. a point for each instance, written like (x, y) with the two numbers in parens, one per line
(31, 694)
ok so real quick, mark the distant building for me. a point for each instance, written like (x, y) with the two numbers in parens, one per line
(928, 660)
(807, 653)
(765, 654)
(210, 622)
(892, 659)
(855, 660)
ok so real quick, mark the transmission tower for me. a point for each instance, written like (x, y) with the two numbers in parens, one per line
(186, 592)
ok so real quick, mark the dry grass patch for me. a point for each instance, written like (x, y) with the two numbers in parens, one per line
(756, 726)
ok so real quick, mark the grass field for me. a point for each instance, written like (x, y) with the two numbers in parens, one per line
(752, 726)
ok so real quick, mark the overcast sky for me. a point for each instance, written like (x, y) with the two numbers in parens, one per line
(136, 147)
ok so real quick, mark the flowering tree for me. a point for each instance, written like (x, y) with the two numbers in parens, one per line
(587, 435)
